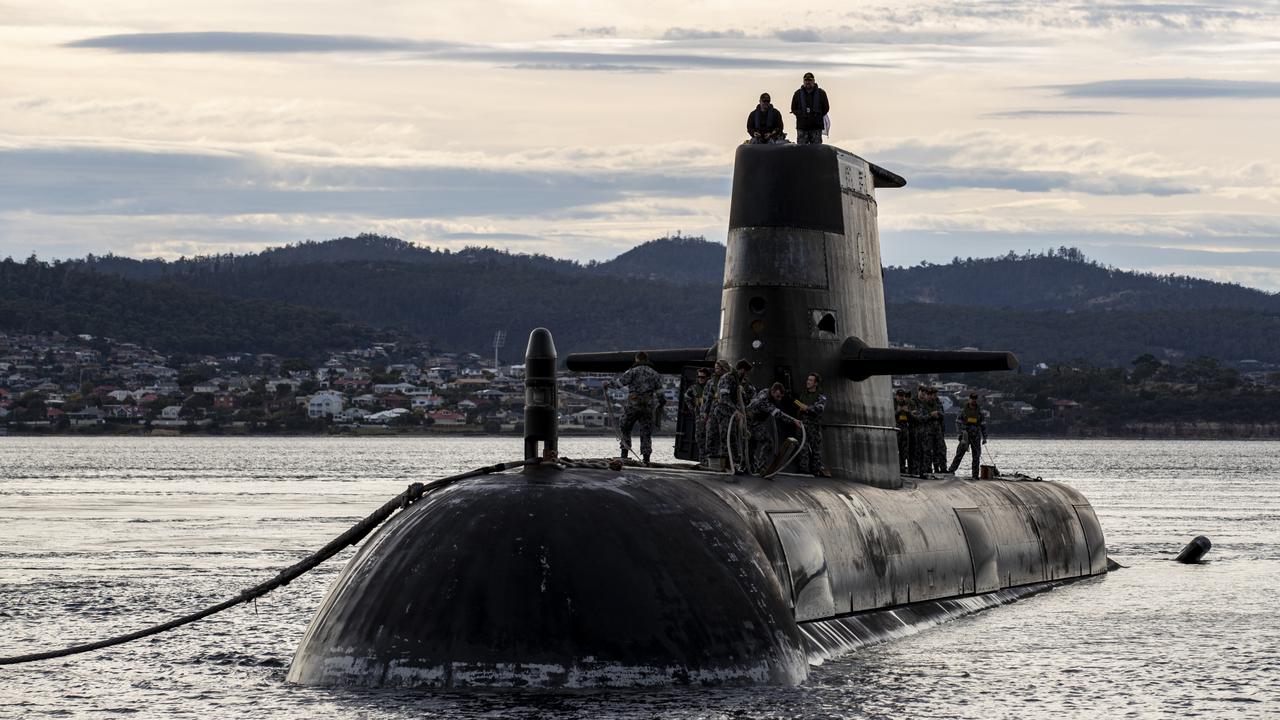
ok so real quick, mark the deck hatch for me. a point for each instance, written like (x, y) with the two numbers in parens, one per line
(807, 577)
(1094, 542)
(982, 549)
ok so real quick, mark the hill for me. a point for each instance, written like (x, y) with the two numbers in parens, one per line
(40, 297)
(458, 299)
(362, 248)
(677, 259)
(1055, 306)
(1063, 280)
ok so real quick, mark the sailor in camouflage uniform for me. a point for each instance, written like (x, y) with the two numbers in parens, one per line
(712, 436)
(811, 404)
(973, 434)
(921, 449)
(729, 400)
(763, 412)
(937, 433)
(902, 417)
(693, 398)
(642, 383)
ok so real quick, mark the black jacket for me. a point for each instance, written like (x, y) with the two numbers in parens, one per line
(772, 121)
(809, 110)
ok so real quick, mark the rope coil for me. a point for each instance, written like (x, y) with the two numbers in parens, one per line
(412, 494)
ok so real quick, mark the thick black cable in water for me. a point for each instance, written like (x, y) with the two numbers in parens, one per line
(289, 574)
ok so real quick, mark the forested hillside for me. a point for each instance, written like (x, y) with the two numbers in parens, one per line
(678, 259)
(1063, 279)
(1055, 306)
(38, 297)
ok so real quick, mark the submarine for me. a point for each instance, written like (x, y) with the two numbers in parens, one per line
(603, 573)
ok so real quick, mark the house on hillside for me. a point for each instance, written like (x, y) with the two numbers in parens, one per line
(446, 417)
(87, 416)
(589, 418)
(324, 404)
(354, 415)
(386, 416)
(427, 402)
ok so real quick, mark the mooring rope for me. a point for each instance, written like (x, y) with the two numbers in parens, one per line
(804, 438)
(412, 494)
(617, 429)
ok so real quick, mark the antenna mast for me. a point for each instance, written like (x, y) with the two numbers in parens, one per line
(499, 339)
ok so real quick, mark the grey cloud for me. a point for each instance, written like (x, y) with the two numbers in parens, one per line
(533, 58)
(935, 178)
(589, 67)
(797, 35)
(1050, 113)
(252, 42)
(94, 181)
(601, 61)
(490, 237)
(847, 35)
(602, 31)
(1170, 88)
(679, 33)
(1172, 16)
(1177, 17)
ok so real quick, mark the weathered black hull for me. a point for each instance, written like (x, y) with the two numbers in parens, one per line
(589, 578)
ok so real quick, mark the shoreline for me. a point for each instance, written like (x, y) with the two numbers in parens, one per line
(374, 431)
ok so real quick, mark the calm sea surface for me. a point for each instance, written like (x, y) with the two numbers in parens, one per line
(99, 536)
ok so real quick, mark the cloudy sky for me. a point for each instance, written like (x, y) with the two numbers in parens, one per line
(1145, 134)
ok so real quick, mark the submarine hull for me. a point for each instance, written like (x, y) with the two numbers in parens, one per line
(641, 577)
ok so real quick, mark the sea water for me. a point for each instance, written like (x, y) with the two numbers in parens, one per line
(100, 536)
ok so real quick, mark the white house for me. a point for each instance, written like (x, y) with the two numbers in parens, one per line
(444, 417)
(386, 416)
(426, 402)
(209, 387)
(354, 414)
(171, 412)
(324, 404)
(588, 418)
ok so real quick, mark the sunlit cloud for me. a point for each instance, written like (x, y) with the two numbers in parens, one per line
(534, 57)
(1172, 89)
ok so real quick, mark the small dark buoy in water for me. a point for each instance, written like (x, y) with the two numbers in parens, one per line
(1194, 550)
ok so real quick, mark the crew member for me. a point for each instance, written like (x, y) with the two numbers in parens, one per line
(811, 404)
(973, 434)
(921, 449)
(642, 383)
(693, 398)
(764, 124)
(809, 105)
(937, 433)
(762, 413)
(729, 400)
(713, 435)
(902, 416)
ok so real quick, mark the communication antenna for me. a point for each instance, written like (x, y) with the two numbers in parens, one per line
(499, 339)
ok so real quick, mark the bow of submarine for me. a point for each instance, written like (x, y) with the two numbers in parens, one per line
(557, 578)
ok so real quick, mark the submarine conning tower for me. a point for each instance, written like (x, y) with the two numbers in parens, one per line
(802, 274)
(804, 292)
